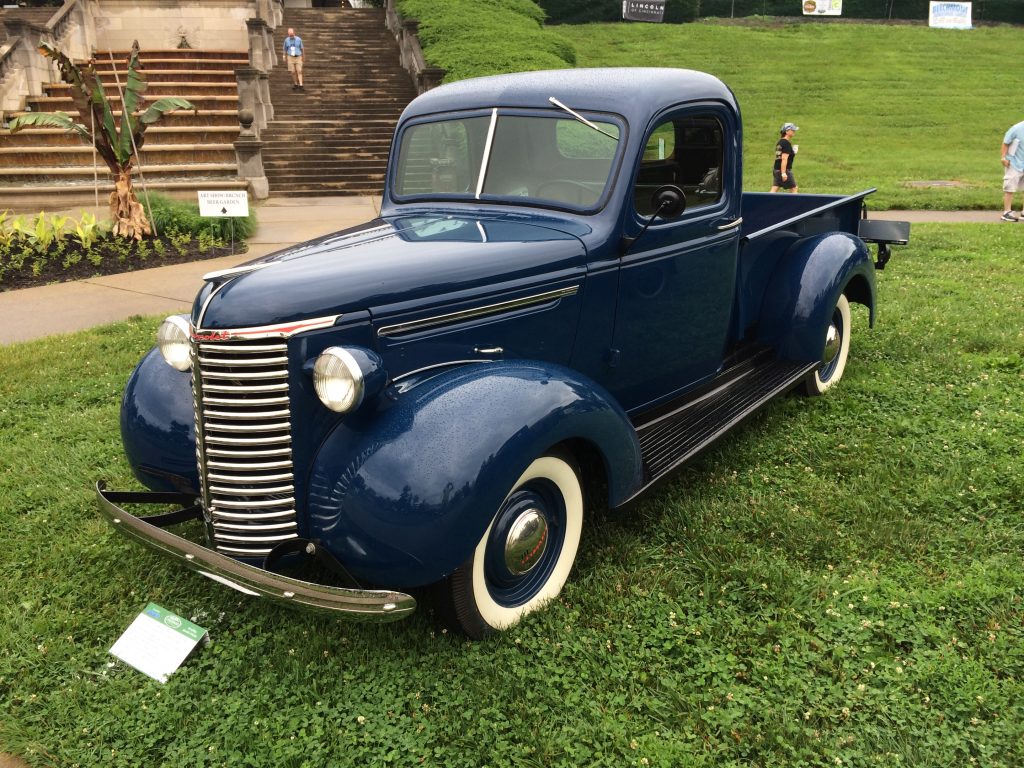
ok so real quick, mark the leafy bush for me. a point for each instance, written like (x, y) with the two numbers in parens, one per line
(52, 247)
(182, 216)
(470, 39)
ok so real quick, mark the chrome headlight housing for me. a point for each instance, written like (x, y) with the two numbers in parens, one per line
(174, 340)
(345, 376)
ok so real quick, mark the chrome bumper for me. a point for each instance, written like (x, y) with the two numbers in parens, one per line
(362, 604)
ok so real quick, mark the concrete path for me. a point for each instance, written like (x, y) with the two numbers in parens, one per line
(33, 313)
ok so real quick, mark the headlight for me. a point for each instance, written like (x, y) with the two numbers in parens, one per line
(173, 340)
(338, 380)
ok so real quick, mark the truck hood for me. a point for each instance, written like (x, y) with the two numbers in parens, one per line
(387, 263)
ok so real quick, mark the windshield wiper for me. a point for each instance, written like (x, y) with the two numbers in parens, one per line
(581, 118)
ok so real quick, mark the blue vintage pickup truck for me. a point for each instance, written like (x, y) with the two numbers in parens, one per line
(565, 297)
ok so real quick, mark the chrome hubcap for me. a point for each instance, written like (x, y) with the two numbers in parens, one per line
(832, 343)
(526, 543)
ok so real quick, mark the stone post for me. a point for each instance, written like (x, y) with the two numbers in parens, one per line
(268, 107)
(258, 45)
(250, 99)
(249, 152)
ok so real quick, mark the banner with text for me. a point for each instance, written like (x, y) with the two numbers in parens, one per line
(643, 10)
(823, 7)
(947, 15)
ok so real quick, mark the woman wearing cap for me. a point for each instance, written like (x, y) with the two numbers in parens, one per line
(785, 154)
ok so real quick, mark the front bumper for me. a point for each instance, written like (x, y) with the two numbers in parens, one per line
(362, 604)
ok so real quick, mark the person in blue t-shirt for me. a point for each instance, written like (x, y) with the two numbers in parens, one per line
(294, 54)
(1013, 164)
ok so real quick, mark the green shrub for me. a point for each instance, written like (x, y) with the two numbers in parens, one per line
(473, 38)
(183, 216)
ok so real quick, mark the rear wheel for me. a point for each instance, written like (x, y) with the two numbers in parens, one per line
(836, 350)
(525, 555)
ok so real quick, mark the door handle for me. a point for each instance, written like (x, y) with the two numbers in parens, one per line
(730, 225)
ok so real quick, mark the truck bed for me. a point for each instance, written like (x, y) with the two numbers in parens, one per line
(803, 215)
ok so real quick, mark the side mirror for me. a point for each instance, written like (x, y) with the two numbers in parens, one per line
(668, 202)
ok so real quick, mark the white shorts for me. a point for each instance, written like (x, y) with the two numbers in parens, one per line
(1013, 180)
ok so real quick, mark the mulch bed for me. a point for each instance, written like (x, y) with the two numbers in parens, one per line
(114, 260)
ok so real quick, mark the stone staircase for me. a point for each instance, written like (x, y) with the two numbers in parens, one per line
(183, 152)
(333, 137)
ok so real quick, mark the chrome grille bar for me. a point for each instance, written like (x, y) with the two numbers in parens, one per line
(243, 428)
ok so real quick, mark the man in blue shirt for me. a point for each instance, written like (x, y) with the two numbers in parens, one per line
(294, 55)
(1013, 163)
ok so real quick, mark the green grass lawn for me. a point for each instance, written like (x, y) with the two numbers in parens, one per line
(838, 583)
(878, 106)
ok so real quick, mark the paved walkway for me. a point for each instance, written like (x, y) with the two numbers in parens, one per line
(33, 313)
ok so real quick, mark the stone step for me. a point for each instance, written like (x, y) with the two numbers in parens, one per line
(157, 89)
(86, 173)
(154, 76)
(155, 134)
(199, 101)
(206, 117)
(174, 54)
(82, 156)
(37, 196)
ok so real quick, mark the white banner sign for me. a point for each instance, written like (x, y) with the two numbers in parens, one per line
(643, 10)
(823, 7)
(949, 15)
(227, 203)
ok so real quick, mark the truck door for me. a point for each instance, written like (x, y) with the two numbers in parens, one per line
(677, 280)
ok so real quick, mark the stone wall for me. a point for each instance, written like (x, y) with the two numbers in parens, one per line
(217, 25)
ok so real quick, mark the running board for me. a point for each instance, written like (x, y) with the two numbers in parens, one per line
(677, 436)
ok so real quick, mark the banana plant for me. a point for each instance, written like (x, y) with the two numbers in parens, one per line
(115, 140)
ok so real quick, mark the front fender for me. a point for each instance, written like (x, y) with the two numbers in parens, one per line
(804, 290)
(158, 426)
(403, 497)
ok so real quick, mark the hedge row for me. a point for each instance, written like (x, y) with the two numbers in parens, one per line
(470, 38)
(584, 11)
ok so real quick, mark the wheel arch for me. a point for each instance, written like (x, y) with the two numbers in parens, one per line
(805, 287)
(406, 499)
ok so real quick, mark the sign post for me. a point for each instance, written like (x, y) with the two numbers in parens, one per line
(228, 203)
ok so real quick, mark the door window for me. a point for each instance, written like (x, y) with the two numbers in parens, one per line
(687, 151)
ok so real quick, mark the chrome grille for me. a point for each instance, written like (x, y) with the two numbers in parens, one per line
(243, 430)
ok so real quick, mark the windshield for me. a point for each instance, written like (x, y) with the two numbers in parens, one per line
(556, 160)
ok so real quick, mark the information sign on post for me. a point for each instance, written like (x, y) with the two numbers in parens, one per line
(226, 203)
(949, 15)
(643, 10)
(823, 7)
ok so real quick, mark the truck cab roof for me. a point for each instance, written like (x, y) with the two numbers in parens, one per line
(636, 93)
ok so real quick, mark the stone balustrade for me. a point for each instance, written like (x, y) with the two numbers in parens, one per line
(406, 33)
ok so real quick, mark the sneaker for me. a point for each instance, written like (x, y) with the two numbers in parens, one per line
(1009, 216)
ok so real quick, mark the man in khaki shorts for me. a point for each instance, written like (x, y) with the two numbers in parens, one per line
(294, 54)
(1013, 169)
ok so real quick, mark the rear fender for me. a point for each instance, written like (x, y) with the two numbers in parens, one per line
(403, 495)
(805, 287)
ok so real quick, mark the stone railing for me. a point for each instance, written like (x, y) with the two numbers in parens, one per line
(406, 33)
(24, 71)
(255, 109)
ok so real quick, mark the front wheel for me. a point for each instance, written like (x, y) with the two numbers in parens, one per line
(526, 553)
(836, 350)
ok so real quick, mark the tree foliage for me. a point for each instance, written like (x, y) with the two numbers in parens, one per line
(117, 141)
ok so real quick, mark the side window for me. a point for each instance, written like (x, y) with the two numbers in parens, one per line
(686, 151)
